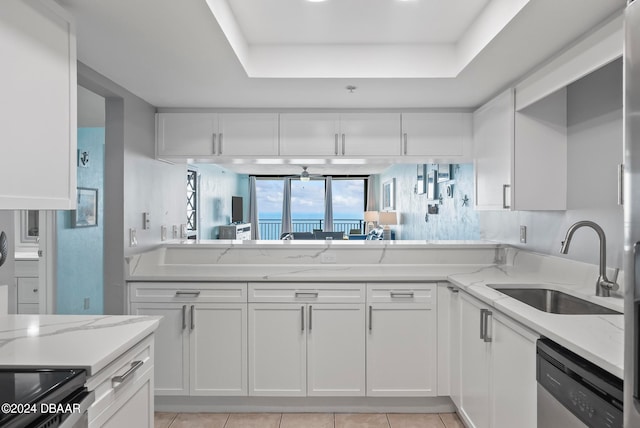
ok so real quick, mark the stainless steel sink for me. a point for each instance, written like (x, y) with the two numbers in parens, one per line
(553, 301)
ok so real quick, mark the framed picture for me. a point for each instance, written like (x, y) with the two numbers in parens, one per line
(444, 172)
(86, 213)
(389, 195)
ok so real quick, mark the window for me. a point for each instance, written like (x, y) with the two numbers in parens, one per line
(192, 200)
(307, 205)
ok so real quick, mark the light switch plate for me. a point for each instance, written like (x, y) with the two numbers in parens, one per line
(523, 234)
(174, 231)
(146, 221)
(183, 231)
(163, 233)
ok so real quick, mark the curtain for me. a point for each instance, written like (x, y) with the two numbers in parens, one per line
(286, 207)
(253, 209)
(328, 205)
(372, 204)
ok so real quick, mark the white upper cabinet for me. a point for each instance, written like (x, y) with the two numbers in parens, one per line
(248, 134)
(344, 134)
(38, 87)
(309, 134)
(438, 134)
(216, 134)
(186, 134)
(370, 134)
(493, 129)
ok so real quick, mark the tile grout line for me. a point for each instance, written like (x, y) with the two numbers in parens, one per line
(226, 420)
(173, 420)
(386, 415)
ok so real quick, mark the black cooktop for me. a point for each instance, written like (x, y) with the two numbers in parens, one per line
(33, 387)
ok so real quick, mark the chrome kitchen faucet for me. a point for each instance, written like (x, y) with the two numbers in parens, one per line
(603, 285)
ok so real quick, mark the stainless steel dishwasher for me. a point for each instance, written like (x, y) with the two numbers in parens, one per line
(573, 392)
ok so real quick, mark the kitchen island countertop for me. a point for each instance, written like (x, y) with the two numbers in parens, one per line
(87, 342)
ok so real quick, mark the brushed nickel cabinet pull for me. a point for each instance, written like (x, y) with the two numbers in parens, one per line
(310, 317)
(406, 294)
(302, 318)
(336, 148)
(482, 321)
(184, 317)
(193, 317)
(194, 293)
(487, 336)
(370, 317)
(405, 143)
(214, 143)
(220, 145)
(452, 288)
(621, 184)
(135, 365)
(504, 196)
(343, 143)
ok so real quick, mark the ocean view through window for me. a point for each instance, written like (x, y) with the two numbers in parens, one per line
(307, 205)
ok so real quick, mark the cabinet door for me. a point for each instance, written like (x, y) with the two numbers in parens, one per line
(493, 139)
(38, 108)
(401, 350)
(370, 134)
(474, 365)
(309, 134)
(248, 134)
(277, 349)
(218, 349)
(186, 134)
(171, 347)
(436, 134)
(336, 350)
(136, 411)
(514, 376)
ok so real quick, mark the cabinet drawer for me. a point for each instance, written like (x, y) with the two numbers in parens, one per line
(306, 292)
(26, 268)
(402, 293)
(205, 292)
(28, 290)
(135, 366)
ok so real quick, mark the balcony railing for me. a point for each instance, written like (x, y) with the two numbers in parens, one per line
(271, 228)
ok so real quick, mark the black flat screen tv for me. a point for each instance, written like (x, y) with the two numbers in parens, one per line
(236, 210)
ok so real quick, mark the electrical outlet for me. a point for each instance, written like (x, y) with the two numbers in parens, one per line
(146, 221)
(523, 234)
(328, 258)
(174, 231)
(133, 238)
(183, 231)
(163, 233)
(87, 303)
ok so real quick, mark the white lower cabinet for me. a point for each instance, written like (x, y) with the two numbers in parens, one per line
(306, 349)
(201, 347)
(497, 368)
(126, 402)
(401, 340)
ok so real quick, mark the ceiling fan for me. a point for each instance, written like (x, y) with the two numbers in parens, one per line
(305, 176)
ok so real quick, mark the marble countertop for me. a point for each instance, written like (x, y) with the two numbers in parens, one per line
(87, 342)
(598, 338)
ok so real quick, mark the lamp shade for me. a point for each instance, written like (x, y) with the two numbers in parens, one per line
(371, 216)
(388, 217)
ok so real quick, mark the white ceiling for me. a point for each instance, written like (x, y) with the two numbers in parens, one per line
(354, 21)
(174, 54)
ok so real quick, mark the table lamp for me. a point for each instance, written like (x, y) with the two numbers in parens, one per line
(386, 218)
(371, 217)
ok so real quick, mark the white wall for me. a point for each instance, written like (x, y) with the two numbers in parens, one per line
(594, 117)
(134, 182)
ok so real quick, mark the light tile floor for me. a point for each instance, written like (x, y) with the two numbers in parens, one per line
(307, 420)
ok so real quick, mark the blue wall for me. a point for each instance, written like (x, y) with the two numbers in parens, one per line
(217, 186)
(80, 250)
(454, 220)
